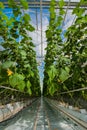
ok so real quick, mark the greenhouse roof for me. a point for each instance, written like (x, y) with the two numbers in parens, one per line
(46, 3)
(40, 15)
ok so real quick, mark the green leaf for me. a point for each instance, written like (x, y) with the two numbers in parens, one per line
(21, 86)
(52, 11)
(60, 19)
(16, 80)
(1, 5)
(13, 80)
(78, 11)
(62, 12)
(8, 64)
(1, 14)
(51, 72)
(32, 74)
(52, 3)
(23, 53)
(28, 84)
(16, 11)
(12, 4)
(64, 75)
(52, 89)
(28, 87)
(27, 66)
(67, 69)
(61, 3)
(83, 2)
(26, 18)
(76, 75)
(5, 17)
(24, 4)
(65, 88)
(31, 28)
(10, 21)
(29, 91)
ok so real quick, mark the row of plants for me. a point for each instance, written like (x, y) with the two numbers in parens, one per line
(66, 61)
(18, 66)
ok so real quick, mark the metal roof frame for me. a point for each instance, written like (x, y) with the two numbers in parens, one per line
(46, 4)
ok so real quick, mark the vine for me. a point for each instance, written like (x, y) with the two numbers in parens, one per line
(18, 66)
(66, 68)
(54, 47)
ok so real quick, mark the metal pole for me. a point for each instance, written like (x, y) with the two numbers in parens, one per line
(41, 29)
(36, 15)
(66, 13)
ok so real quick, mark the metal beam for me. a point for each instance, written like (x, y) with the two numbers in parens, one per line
(47, 4)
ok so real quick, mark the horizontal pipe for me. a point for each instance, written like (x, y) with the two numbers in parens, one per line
(47, 4)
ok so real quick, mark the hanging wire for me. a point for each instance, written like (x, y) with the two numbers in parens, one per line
(74, 20)
(9, 96)
(12, 89)
(36, 17)
(66, 12)
(75, 90)
(41, 28)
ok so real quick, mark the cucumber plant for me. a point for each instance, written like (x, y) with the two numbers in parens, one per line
(18, 66)
(66, 62)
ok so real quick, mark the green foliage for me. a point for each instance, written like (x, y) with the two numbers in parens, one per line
(54, 47)
(61, 3)
(51, 72)
(28, 87)
(52, 89)
(78, 11)
(26, 18)
(18, 66)
(1, 6)
(8, 64)
(66, 62)
(17, 81)
(24, 4)
(11, 3)
(64, 75)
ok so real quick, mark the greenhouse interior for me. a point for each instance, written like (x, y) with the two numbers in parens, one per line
(43, 64)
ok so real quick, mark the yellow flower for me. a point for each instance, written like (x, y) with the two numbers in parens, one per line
(59, 80)
(9, 72)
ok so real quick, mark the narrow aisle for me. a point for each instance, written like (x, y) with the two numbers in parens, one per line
(31, 118)
(57, 121)
(41, 119)
(24, 120)
(39, 116)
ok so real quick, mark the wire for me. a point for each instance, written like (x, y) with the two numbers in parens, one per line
(66, 13)
(12, 89)
(74, 20)
(41, 28)
(75, 90)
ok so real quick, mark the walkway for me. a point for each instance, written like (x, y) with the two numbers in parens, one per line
(39, 116)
